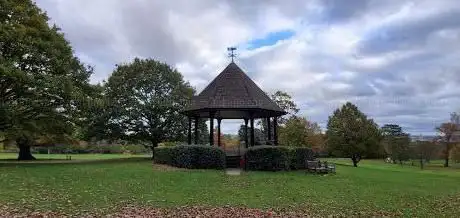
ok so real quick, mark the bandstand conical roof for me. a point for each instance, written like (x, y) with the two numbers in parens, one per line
(233, 95)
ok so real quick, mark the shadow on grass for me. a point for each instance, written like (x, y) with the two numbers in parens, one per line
(42, 162)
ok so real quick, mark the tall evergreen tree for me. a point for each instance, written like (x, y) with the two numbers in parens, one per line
(351, 134)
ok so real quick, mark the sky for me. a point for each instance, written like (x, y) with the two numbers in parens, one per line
(397, 60)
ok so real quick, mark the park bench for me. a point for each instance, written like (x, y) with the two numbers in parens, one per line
(318, 167)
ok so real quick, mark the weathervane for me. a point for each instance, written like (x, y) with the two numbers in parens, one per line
(231, 53)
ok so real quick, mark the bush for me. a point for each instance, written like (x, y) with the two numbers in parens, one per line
(168, 144)
(191, 156)
(299, 157)
(268, 158)
(163, 155)
(136, 149)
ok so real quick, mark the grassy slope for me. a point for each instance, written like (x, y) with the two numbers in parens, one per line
(371, 188)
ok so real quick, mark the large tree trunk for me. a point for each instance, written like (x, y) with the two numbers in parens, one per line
(446, 161)
(356, 158)
(153, 152)
(24, 144)
(355, 164)
(154, 145)
(24, 152)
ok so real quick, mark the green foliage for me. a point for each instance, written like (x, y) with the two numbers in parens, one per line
(42, 82)
(191, 156)
(299, 132)
(164, 155)
(299, 157)
(350, 132)
(396, 143)
(168, 144)
(286, 103)
(203, 132)
(146, 97)
(92, 149)
(268, 158)
(259, 137)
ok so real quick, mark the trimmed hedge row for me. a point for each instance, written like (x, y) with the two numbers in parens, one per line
(191, 156)
(275, 158)
(299, 156)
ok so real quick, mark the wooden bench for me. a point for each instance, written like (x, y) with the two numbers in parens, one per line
(318, 167)
(330, 167)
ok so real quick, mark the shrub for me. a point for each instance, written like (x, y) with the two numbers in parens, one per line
(168, 144)
(163, 155)
(268, 158)
(299, 157)
(191, 156)
(136, 149)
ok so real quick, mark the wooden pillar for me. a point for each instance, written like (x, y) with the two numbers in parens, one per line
(275, 130)
(252, 132)
(189, 131)
(196, 130)
(246, 140)
(269, 132)
(218, 131)
(211, 128)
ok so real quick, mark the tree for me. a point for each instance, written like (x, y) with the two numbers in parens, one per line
(455, 154)
(285, 102)
(424, 151)
(427, 150)
(299, 132)
(351, 134)
(259, 137)
(203, 132)
(396, 142)
(449, 133)
(147, 96)
(41, 81)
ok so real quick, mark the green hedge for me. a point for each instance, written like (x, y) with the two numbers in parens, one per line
(299, 157)
(191, 156)
(163, 155)
(275, 158)
(268, 158)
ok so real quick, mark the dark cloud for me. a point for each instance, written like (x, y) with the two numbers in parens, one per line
(407, 35)
(340, 11)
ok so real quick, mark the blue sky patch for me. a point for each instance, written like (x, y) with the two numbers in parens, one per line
(270, 39)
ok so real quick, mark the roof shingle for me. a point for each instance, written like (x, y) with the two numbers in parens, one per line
(233, 90)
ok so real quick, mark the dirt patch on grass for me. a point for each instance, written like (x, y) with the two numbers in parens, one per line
(202, 212)
(162, 167)
(135, 211)
(7, 212)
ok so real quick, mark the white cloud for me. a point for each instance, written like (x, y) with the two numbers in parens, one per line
(398, 60)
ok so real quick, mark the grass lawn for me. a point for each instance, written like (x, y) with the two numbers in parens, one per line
(374, 188)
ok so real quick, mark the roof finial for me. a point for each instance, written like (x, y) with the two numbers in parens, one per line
(231, 52)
